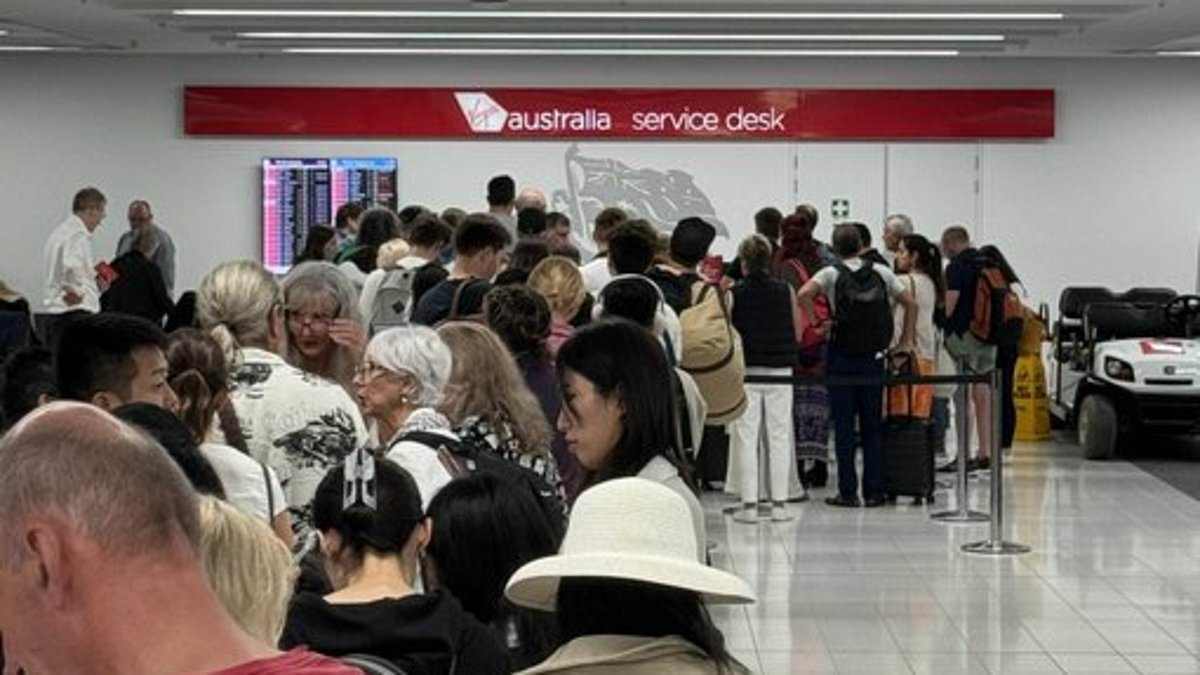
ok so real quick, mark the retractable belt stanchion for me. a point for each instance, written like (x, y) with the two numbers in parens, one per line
(995, 544)
(963, 513)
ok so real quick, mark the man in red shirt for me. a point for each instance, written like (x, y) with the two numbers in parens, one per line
(99, 566)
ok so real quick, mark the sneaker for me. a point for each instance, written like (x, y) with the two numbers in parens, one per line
(779, 514)
(748, 515)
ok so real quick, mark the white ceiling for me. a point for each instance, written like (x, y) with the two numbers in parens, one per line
(1089, 28)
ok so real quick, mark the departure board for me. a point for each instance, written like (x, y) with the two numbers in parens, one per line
(369, 181)
(296, 196)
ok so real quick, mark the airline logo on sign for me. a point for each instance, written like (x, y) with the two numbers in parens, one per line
(485, 115)
(482, 112)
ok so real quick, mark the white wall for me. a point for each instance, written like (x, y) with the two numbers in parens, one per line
(1113, 199)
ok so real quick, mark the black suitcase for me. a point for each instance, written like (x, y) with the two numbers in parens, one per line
(908, 461)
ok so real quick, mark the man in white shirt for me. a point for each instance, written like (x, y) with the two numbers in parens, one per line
(140, 215)
(71, 285)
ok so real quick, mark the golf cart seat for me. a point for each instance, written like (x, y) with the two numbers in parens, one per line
(1125, 320)
(1068, 330)
(1153, 297)
(1075, 299)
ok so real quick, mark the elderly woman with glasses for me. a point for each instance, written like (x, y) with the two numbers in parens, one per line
(324, 329)
(399, 385)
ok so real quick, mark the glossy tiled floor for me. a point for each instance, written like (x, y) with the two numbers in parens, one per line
(1112, 584)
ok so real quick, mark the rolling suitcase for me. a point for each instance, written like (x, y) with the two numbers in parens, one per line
(908, 464)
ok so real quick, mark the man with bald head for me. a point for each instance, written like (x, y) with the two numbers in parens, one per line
(142, 217)
(99, 559)
(531, 198)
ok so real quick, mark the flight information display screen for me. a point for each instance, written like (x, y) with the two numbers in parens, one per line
(369, 181)
(295, 196)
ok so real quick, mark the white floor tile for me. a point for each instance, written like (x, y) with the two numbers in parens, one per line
(1165, 665)
(1093, 664)
(1111, 587)
(871, 664)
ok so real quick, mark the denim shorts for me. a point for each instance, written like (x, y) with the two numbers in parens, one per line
(969, 351)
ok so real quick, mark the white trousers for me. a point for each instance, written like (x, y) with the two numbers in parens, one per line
(768, 418)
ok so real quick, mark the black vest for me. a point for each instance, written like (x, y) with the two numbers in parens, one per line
(762, 313)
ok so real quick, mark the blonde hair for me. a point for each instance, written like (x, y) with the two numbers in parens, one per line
(391, 253)
(235, 304)
(559, 281)
(486, 383)
(322, 279)
(249, 568)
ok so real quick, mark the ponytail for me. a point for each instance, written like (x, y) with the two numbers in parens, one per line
(229, 345)
(195, 401)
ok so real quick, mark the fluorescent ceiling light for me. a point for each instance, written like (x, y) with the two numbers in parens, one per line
(1179, 53)
(622, 15)
(615, 37)
(438, 51)
(35, 48)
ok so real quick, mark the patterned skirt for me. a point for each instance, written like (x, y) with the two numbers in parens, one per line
(810, 415)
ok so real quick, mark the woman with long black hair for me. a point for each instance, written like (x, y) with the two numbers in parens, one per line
(1006, 355)
(618, 412)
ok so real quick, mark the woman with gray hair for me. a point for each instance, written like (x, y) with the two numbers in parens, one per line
(324, 328)
(399, 386)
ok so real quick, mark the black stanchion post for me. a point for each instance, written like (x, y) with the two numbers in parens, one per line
(962, 515)
(995, 544)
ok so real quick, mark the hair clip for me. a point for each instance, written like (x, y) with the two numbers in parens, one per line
(359, 488)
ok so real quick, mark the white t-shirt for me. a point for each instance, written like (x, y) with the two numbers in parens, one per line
(422, 462)
(595, 275)
(926, 294)
(245, 483)
(828, 276)
(660, 470)
(299, 424)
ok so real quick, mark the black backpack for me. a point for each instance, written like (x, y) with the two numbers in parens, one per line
(462, 458)
(862, 311)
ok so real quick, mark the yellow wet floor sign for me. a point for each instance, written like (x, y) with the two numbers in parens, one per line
(1029, 383)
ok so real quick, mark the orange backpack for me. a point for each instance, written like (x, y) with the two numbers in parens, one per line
(999, 316)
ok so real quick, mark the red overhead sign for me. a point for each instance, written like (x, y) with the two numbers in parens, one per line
(693, 114)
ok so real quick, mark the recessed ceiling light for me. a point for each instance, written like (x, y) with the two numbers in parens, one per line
(438, 51)
(3, 33)
(615, 37)
(624, 15)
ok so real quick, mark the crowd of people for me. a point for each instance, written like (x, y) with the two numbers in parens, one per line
(445, 443)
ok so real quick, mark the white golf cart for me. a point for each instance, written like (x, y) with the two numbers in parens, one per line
(1123, 364)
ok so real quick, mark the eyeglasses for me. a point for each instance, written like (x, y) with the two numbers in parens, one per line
(316, 322)
(368, 371)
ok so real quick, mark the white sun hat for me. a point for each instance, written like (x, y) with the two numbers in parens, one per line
(627, 528)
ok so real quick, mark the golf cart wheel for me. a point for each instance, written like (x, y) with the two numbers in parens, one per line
(1098, 427)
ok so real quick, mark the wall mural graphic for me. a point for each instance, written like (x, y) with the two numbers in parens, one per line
(663, 197)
